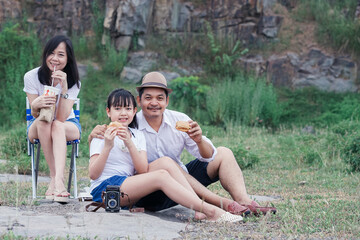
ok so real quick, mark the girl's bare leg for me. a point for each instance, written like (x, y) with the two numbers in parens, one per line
(141, 185)
(175, 171)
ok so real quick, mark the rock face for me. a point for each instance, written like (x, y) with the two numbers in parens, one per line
(247, 21)
(240, 20)
(10, 9)
(51, 17)
(314, 69)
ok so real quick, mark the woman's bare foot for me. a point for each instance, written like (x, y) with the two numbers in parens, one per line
(200, 216)
(49, 194)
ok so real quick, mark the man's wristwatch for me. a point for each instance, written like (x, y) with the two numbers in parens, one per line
(65, 96)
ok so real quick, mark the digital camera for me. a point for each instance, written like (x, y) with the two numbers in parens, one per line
(112, 199)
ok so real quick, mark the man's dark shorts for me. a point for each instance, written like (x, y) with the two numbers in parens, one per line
(157, 201)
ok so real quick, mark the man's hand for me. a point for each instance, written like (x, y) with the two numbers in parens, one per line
(195, 132)
(97, 132)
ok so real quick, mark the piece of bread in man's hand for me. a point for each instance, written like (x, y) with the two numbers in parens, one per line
(115, 124)
(183, 126)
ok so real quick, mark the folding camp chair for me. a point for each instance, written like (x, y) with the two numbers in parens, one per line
(35, 157)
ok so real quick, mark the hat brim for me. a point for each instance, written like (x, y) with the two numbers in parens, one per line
(169, 90)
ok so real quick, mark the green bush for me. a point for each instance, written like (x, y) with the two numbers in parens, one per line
(346, 127)
(312, 106)
(245, 100)
(19, 53)
(351, 153)
(244, 157)
(188, 95)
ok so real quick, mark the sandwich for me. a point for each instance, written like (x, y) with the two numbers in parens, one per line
(183, 126)
(115, 124)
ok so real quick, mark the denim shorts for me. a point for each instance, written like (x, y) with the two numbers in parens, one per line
(114, 180)
(157, 201)
(73, 120)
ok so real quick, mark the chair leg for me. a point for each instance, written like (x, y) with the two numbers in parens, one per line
(37, 163)
(33, 178)
(73, 169)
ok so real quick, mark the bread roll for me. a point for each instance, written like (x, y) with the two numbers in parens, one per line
(115, 124)
(182, 126)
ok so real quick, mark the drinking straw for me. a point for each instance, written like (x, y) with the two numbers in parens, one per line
(52, 79)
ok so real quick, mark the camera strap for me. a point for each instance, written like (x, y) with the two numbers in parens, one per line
(97, 205)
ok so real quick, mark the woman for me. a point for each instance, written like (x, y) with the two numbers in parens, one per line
(115, 159)
(58, 69)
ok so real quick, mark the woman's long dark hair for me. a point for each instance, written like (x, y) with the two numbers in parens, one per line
(70, 69)
(122, 98)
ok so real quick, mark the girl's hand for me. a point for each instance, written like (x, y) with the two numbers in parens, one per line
(43, 101)
(124, 134)
(60, 77)
(109, 136)
(195, 132)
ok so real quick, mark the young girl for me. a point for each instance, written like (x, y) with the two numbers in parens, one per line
(115, 159)
(60, 70)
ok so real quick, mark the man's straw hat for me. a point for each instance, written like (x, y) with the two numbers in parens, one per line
(154, 79)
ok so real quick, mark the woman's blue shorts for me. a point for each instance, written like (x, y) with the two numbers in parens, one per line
(73, 120)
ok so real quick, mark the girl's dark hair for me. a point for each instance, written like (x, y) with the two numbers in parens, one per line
(122, 98)
(70, 69)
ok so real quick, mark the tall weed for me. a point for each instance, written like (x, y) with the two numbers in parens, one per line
(335, 21)
(221, 60)
(113, 61)
(14, 149)
(245, 100)
(19, 53)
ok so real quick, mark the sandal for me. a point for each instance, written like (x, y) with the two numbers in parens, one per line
(228, 217)
(256, 209)
(49, 194)
(237, 209)
(61, 197)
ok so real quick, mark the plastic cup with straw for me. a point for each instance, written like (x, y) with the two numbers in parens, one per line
(51, 90)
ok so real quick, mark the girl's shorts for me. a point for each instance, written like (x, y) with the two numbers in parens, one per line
(73, 120)
(114, 180)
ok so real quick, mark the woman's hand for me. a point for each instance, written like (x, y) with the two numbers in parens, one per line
(43, 101)
(60, 77)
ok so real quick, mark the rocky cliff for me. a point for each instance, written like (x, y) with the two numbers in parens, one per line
(249, 21)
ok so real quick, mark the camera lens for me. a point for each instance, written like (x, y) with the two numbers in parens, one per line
(111, 195)
(112, 203)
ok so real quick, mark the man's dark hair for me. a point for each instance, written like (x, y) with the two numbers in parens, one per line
(70, 69)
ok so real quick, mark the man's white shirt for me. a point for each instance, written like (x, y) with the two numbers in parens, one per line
(169, 141)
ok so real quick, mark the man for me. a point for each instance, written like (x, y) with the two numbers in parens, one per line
(163, 139)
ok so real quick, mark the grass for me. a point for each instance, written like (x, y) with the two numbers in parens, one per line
(318, 197)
